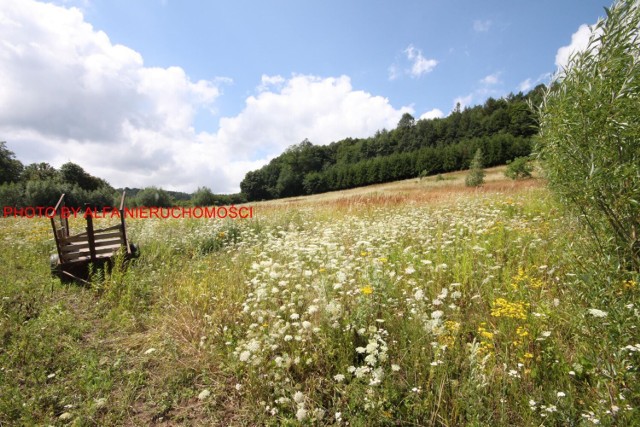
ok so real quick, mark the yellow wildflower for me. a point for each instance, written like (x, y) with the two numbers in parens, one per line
(367, 290)
(513, 310)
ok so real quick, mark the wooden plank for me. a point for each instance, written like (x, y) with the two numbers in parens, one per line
(75, 247)
(113, 227)
(82, 237)
(123, 227)
(92, 244)
(85, 255)
(105, 236)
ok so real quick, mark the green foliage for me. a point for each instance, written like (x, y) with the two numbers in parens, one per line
(73, 174)
(10, 167)
(203, 197)
(519, 168)
(154, 197)
(40, 172)
(590, 128)
(475, 178)
(501, 127)
(12, 194)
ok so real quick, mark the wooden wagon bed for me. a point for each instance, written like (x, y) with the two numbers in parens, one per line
(92, 246)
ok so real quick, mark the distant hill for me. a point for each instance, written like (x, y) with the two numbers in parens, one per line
(503, 128)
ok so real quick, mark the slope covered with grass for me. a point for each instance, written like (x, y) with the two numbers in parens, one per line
(431, 304)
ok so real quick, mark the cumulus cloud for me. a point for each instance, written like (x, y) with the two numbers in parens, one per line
(480, 26)
(579, 41)
(320, 109)
(69, 94)
(436, 113)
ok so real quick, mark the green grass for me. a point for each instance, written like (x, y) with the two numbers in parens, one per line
(434, 306)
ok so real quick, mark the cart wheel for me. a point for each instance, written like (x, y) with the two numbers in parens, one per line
(135, 251)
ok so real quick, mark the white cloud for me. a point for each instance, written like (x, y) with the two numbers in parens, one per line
(420, 64)
(464, 101)
(480, 26)
(579, 41)
(394, 72)
(525, 85)
(69, 94)
(320, 109)
(491, 79)
(267, 82)
(432, 114)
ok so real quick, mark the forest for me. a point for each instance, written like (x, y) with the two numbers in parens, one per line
(503, 128)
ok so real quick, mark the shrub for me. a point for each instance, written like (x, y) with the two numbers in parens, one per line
(153, 196)
(203, 197)
(476, 171)
(519, 168)
(590, 132)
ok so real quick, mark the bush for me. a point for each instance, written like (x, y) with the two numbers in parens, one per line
(476, 171)
(12, 194)
(203, 197)
(519, 168)
(154, 197)
(590, 132)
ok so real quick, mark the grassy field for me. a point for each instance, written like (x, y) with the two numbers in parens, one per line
(420, 302)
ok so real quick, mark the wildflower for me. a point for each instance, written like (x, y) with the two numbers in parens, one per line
(597, 313)
(338, 378)
(513, 310)
(561, 394)
(367, 290)
(301, 414)
(204, 394)
(437, 314)
(395, 368)
(409, 270)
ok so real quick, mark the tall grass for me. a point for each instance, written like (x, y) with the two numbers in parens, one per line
(470, 309)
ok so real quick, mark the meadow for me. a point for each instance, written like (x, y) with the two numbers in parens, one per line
(417, 303)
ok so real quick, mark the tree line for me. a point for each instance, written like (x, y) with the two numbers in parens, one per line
(40, 184)
(502, 128)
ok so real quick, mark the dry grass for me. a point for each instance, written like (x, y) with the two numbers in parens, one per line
(421, 191)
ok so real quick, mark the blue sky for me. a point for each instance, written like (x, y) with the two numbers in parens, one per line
(182, 94)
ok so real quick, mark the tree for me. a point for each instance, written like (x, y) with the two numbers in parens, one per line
(10, 167)
(73, 174)
(154, 197)
(589, 133)
(519, 168)
(406, 122)
(203, 197)
(475, 178)
(39, 171)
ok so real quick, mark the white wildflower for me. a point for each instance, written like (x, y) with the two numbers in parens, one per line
(597, 313)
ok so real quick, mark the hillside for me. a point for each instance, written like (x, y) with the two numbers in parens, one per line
(402, 302)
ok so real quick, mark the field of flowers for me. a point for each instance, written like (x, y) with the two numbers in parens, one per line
(439, 306)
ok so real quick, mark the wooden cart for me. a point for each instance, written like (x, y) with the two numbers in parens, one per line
(96, 247)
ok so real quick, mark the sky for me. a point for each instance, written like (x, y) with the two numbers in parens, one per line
(185, 94)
